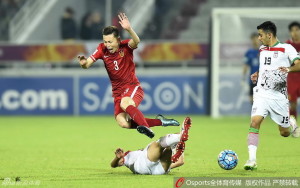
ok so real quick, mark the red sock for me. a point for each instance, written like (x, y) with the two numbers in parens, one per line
(136, 115)
(151, 123)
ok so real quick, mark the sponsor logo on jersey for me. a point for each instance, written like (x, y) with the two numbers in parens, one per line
(121, 53)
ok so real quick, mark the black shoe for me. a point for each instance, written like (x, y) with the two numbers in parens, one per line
(167, 122)
(146, 131)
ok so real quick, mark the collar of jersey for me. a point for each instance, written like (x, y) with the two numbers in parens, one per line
(276, 43)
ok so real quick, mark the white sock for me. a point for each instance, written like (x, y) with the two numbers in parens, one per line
(169, 140)
(252, 152)
(293, 124)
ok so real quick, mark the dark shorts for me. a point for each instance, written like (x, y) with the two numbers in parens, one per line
(251, 85)
(133, 91)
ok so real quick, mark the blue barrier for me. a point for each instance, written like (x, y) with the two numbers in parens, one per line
(36, 96)
(168, 95)
(92, 95)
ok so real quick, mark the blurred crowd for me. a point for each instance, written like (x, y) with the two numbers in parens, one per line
(88, 29)
(8, 9)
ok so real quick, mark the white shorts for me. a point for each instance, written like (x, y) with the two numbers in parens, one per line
(278, 110)
(143, 165)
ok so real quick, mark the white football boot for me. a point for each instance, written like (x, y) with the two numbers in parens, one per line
(250, 165)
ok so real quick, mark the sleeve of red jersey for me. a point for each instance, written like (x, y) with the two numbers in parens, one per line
(98, 53)
(126, 43)
(292, 53)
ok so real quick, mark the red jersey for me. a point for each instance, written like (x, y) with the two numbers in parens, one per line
(294, 76)
(119, 66)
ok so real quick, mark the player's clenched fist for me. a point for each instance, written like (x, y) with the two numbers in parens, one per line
(82, 61)
(119, 153)
(254, 77)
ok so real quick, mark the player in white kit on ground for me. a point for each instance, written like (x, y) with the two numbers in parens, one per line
(270, 94)
(157, 157)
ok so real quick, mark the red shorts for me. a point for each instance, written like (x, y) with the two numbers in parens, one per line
(133, 91)
(293, 86)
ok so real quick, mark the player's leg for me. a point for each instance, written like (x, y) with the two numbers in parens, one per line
(156, 153)
(258, 113)
(293, 90)
(122, 119)
(160, 120)
(289, 129)
(128, 105)
(136, 95)
(253, 138)
(279, 113)
(184, 135)
(156, 148)
(165, 158)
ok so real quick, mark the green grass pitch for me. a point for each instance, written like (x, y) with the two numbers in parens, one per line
(76, 151)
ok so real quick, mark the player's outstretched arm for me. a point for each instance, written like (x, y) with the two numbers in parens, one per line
(119, 156)
(85, 63)
(135, 40)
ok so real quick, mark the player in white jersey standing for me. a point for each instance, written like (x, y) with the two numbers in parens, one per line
(157, 157)
(270, 94)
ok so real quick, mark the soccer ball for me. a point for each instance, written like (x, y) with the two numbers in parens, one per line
(228, 159)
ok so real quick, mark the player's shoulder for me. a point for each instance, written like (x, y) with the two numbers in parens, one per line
(101, 47)
(124, 42)
(283, 44)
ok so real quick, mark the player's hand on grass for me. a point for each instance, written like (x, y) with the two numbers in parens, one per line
(119, 153)
(254, 77)
(124, 21)
(284, 69)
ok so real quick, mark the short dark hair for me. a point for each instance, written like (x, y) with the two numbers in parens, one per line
(293, 24)
(111, 30)
(268, 26)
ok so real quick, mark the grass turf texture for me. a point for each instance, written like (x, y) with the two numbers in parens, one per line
(76, 151)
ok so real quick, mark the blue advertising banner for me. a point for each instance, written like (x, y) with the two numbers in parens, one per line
(36, 96)
(93, 95)
(234, 96)
(163, 94)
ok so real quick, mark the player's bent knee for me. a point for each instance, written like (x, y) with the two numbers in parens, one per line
(125, 102)
(123, 123)
(254, 124)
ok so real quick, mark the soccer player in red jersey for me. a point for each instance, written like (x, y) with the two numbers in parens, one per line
(117, 56)
(293, 80)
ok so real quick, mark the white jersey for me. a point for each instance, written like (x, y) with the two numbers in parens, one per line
(130, 159)
(272, 82)
(138, 163)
